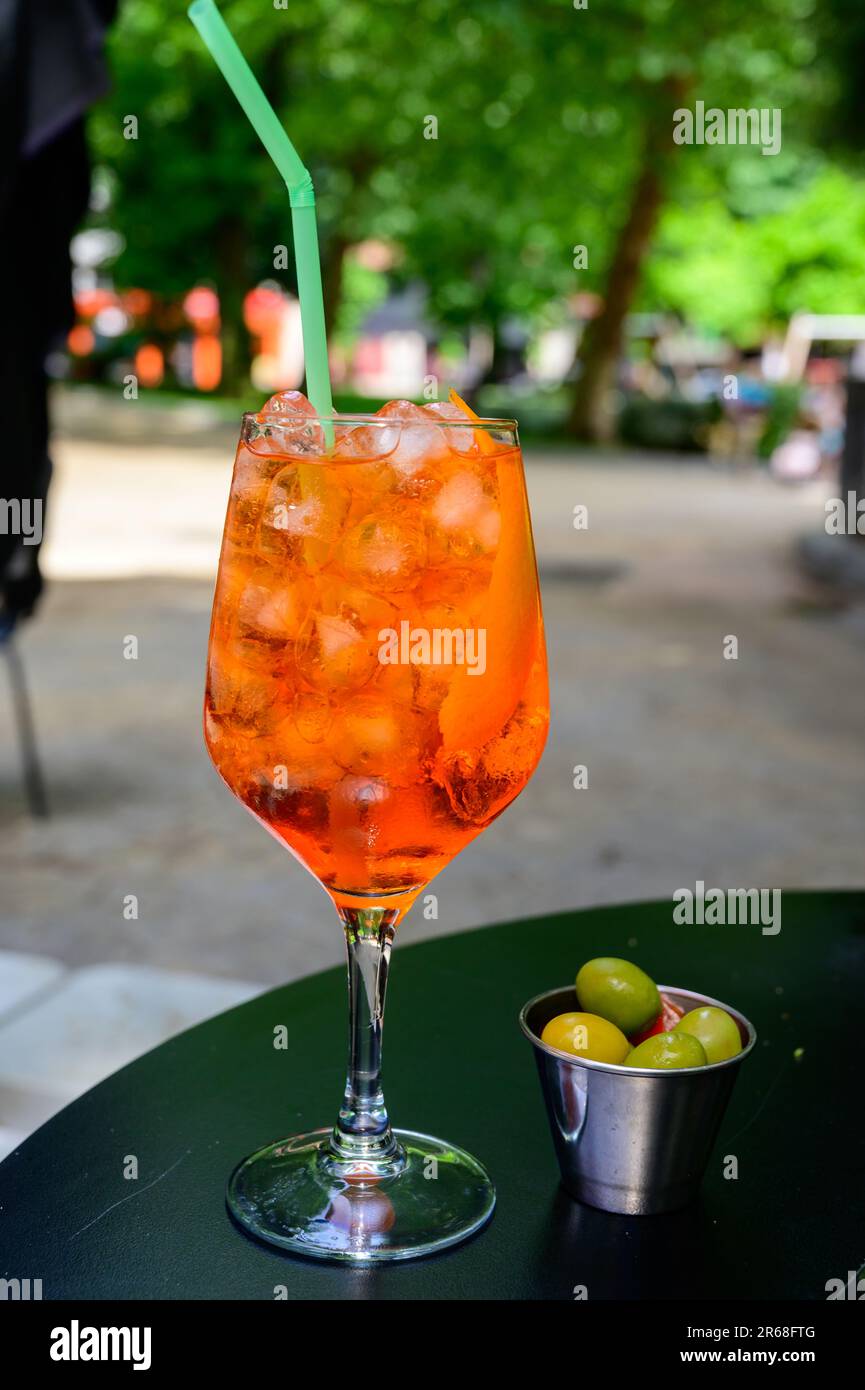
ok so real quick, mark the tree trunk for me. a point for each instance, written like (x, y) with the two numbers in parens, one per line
(331, 276)
(590, 417)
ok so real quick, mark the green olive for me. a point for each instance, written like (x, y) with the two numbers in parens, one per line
(586, 1036)
(715, 1029)
(666, 1050)
(618, 991)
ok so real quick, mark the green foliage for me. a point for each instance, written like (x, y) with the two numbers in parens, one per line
(363, 290)
(740, 276)
(780, 419)
(541, 113)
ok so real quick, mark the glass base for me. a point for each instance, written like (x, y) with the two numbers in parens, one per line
(294, 1195)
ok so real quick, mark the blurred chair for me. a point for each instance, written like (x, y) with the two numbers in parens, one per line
(22, 713)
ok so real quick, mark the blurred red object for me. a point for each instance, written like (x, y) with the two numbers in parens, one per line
(824, 371)
(201, 307)
(80, 340)
(88, 303)
(262, 311)
(150, 364)
(369, 355)
(138, 303)
(664, 1023)
(206, 362)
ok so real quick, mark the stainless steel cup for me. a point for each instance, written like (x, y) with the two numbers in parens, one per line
(629, 1139)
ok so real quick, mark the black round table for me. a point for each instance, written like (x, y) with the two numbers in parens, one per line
(457, 1066)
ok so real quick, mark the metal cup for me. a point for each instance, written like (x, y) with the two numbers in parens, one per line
(631, 1139)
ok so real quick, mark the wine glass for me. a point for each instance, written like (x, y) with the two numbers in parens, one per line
(376, 696)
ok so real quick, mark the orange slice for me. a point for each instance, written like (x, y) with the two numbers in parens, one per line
(485, 444)
(477, 707)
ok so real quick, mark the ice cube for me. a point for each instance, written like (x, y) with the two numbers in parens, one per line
(455, 591)
(369, 611)
(248, 491)
(431, 685)
(269, 614)
(237, 699)
(339, 645)
(254, 630)
(488, 527)
(480, 786)
(303, 517)
(368, 442)
(474, 796)
(292, 793)
(301, 810)
(399, 410)
(287, 424)
(374, 736)
(287, 403)
(334, 653)
(294, 761)
(460, 502)
(461, 440)
(357, 804)
(467, 515)
(421, 443)
(384, 554)
(312, 716)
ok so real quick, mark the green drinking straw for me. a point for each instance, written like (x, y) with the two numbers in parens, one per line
(301, 195)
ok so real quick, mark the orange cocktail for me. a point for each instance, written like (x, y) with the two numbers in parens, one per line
(377, 687)
(376, 695)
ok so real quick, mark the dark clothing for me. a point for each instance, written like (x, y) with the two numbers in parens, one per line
(51, 69)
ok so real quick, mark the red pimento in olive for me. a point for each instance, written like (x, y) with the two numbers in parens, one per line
(664, 1023)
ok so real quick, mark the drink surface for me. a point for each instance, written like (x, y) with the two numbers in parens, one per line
(377, 685)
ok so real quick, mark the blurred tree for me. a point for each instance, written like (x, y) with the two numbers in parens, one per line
(458, 136)
(737, 276)
(840, 33)
(356, 84)
(487, 144)
(731, 55)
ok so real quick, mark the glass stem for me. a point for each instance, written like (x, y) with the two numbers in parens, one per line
(362, 1139)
